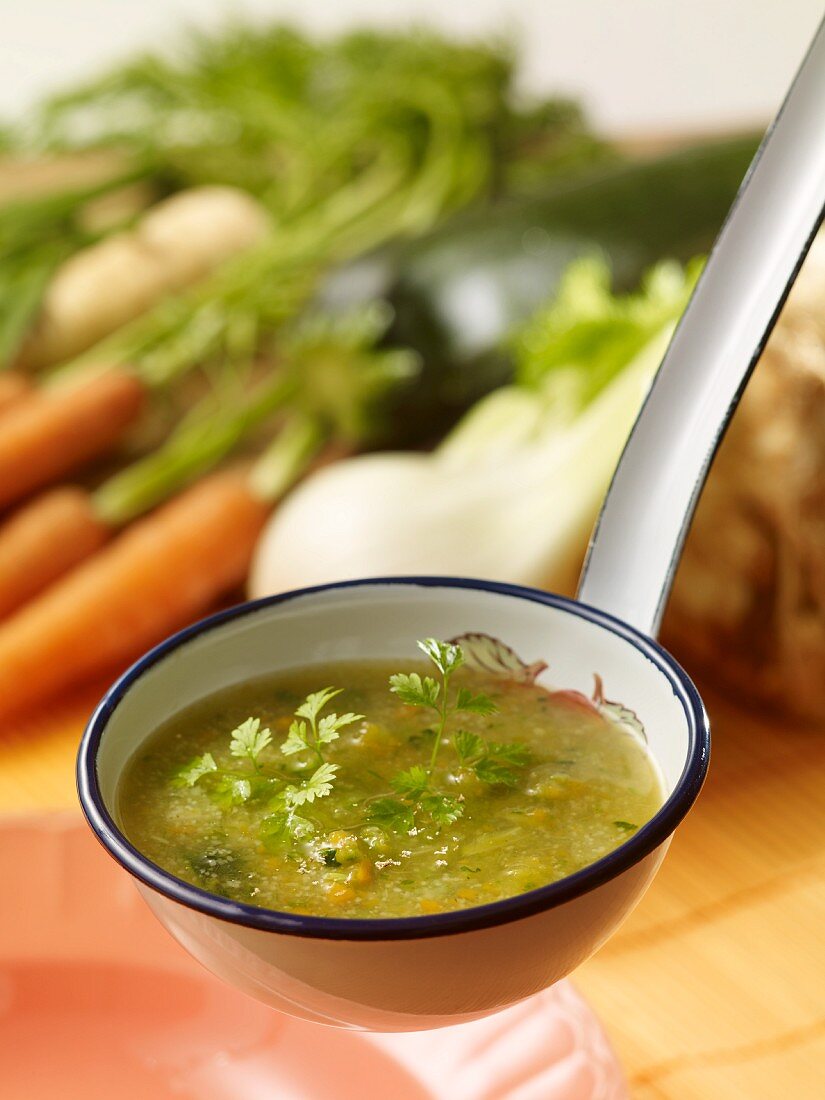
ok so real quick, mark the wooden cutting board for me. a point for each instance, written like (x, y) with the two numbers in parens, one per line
(715, 987)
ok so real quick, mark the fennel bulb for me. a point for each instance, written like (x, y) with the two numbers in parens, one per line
(524, 517)
(513, 491)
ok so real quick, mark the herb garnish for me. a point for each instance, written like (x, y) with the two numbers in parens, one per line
(417, 799)
(309, 733)
(492, 762)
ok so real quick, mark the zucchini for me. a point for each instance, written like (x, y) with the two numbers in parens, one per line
(457, 292)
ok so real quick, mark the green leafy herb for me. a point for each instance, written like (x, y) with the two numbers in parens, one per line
(628, 826)
(415, 691)
(416, 784)
(393, 814)
(195, 770)
(230, 790)
(309, 732)
(417, 800)
(492, 762)
(493, 771)
(474, 704)
(411, 783)
(249, 740)
(446, 656)
(469, 746)
(442, 808)
(319, 785)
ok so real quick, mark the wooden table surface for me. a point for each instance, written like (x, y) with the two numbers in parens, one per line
(715, 987)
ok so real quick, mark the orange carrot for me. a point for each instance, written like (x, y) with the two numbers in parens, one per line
(14, 388)
(61, 428)
(44, 540)
(159, 575)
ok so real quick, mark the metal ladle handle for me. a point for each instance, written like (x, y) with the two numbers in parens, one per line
(647, 512)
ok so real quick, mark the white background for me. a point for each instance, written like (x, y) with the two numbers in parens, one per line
(639, 65)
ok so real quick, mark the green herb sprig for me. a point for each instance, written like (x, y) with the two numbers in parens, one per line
(491, 761)
(309, 733)
(418, 798)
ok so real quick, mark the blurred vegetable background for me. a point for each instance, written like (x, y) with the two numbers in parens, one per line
(228, 268)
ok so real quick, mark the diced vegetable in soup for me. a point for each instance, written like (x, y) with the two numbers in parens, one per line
(399, 793)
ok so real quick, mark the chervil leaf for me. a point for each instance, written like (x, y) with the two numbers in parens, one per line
(249, 740)
(392, 814)
(331, 724)
(195, 770)
(296, 739)
(318, 785)
(230, 790)
(300, 827)
(442, 809)
(446, 656)
(274, 826)
(513, 752)
(411, 689)
(411, 783)
(495, 772)
(315, 703)
(468, 746)
(280, 827)
(474, 704)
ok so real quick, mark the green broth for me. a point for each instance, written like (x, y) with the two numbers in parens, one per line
(588, 785)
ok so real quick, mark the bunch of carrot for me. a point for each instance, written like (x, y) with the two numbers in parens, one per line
(89, 578)
(343, 146)
(159, 574)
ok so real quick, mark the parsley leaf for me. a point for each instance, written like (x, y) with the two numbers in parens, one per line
(412, 782)
(411, 689)
(195, 770)
(281, 827)
(318, 785)
(468, 746)
(495, 772)
(392, 814)
(474, 704)
(443, 809)
(446, 656)
(249, 740)
(229, 790)
(331, 724)
(315, 703)
(492, 761)
(514, 752)
(307, 732)
(296, 739)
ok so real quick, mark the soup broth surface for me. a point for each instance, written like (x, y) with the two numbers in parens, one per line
(587, 785)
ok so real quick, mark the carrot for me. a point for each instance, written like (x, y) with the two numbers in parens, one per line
(14, 388)
(61, 428)
(55, 532)
(44, 540)
(159, 575)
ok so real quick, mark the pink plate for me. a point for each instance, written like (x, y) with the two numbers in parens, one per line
(96, 1000)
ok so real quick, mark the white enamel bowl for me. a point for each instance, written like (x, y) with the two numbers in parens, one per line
(423, 971)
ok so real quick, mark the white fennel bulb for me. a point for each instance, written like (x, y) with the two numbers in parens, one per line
(493, 501)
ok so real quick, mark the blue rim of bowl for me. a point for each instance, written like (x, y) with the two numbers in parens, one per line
(649, 837)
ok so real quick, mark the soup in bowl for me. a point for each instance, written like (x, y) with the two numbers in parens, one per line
(369, 833)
